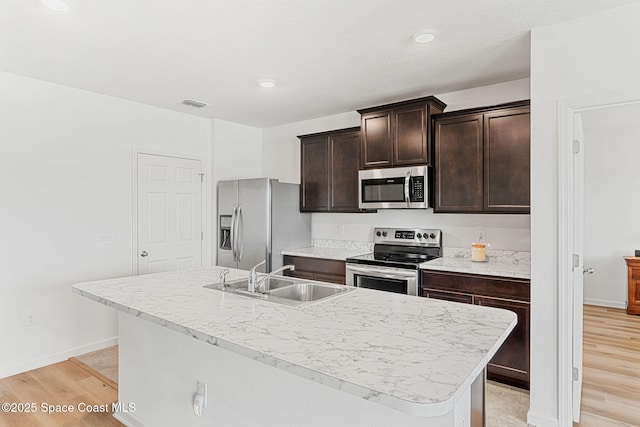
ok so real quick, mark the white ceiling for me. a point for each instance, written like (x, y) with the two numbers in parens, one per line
(328, 56)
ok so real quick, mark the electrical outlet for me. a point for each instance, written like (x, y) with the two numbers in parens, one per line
(482, 236)
(202, 390)
(30, 318)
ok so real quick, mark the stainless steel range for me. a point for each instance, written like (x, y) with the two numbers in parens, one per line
(393, 265)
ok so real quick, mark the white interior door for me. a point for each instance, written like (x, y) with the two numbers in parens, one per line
(578, 265)
(169, 219)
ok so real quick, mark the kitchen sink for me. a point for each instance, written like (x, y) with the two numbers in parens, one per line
(287, 291)
(308, 291)
(242, 284)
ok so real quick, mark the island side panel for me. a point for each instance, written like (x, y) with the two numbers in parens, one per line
(159, 369)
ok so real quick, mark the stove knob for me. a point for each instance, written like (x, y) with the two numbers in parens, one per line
(384, 234)
(378, 233)
(419, 236)
(432, 235)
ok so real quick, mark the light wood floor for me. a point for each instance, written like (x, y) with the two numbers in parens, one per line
(611, 368)
(64, 383)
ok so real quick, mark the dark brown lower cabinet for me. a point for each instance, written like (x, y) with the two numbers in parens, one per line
(320, 269)
(510, 365)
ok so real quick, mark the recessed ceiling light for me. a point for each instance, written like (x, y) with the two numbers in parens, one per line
(425, 36)
(268, 83)
(57, 5)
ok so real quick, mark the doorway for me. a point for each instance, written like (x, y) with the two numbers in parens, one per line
(617, 114)
(168, 217)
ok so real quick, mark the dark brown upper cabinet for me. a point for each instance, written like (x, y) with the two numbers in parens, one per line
(398, 134)
(329, 171)
(482, 160)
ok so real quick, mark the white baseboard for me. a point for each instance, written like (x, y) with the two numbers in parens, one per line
(540, 421)
(128, 420)
(58, 357)
(606, 303)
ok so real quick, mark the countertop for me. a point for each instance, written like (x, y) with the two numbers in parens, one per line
(416, 355)
(326, 252)
(492, 267)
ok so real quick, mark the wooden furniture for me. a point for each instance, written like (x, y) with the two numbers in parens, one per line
(398, 134)
(511, 364)
(482, 160)
(633, 284)
(323, 270)
(329, 171)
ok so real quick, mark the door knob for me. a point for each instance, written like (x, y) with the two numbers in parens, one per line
(144, 254)
(587, 270)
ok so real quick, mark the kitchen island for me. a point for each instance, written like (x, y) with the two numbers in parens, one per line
(361, 358)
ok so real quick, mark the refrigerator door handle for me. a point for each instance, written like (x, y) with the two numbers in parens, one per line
(233, 233)
(239, 234)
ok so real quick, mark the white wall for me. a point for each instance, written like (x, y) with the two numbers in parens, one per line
(65, 178)
(236, 154)
(568, 61)
(509, 232)
(612, 229)
(237, 151)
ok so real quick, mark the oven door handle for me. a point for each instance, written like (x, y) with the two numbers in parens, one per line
(383, 272)
(407, 180)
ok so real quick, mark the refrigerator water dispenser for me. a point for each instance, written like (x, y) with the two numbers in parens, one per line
(225, 232)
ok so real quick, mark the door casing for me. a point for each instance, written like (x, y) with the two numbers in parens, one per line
(567, 109)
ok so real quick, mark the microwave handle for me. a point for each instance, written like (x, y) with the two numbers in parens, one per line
(407, 180)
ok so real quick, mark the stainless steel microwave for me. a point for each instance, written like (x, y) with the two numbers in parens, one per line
(394, 188)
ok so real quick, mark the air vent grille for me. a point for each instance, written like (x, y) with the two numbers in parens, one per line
(195, 104)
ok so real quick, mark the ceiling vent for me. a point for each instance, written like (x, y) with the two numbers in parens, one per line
(195, 104)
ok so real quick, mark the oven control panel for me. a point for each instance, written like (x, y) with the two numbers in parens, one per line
(408, 236)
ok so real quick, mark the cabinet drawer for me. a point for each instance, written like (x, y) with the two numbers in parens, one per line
(319, 265)
(307, 275)
(476, 284)
(635, 274)
(448, 296)
(331, 278)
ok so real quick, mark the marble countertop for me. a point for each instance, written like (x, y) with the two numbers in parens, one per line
(326, 252)
(493, 267)
(416, 355)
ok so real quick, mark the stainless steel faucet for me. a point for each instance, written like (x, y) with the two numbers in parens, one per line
(254, 282)
(223, 279)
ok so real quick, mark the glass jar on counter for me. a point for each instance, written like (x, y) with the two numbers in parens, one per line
(478, 252)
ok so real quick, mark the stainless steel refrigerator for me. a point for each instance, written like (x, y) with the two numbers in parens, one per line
(257, 219)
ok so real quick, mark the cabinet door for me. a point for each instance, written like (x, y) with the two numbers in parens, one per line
(376, 140)
(458, 164)
(511, 362)
(410, 136)
(633, 288)
(506, 160)
(344, 155)
(314, 175)
(448, 296)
